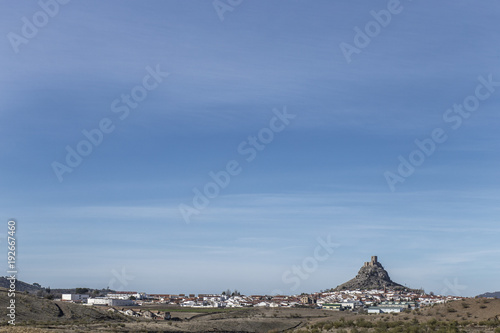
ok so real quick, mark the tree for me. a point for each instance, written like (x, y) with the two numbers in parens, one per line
(132, 298)
(82, 290)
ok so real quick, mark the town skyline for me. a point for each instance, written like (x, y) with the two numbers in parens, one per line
(453, 288)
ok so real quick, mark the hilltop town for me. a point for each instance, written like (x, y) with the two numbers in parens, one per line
(342, 300)
(369, 300)
(336, 311)
(371, 291)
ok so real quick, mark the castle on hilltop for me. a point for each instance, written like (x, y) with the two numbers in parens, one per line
(371, 275)
(372, 263)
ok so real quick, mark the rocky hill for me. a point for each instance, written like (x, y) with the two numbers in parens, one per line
(20, 285)
(371, 276)
(30, 308)
(495, 294)
(37, 289)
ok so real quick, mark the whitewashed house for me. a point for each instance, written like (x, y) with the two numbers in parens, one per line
(74, 297)
(109, 301)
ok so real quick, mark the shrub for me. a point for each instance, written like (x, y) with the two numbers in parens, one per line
(489, 323)
(363, 323)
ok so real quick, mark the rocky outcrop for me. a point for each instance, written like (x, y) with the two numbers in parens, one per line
(160, 315)
(371, 276)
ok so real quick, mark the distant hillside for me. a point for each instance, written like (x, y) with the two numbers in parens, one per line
(37, 289)
(495, 294)
(20, 285)
(35, 309)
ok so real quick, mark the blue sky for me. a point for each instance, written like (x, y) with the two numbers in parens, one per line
(323, 175)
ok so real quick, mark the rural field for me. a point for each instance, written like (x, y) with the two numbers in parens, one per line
(41, 315)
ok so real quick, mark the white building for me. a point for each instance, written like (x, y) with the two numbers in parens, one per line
(188, 303)
(390, 307)
(74, 297)
(374, 309)
(351, 304)
(378, 309)
(126, 295)
(266, 304)
(109, 301)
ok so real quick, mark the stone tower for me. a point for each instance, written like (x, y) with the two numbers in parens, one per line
(371, 263)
